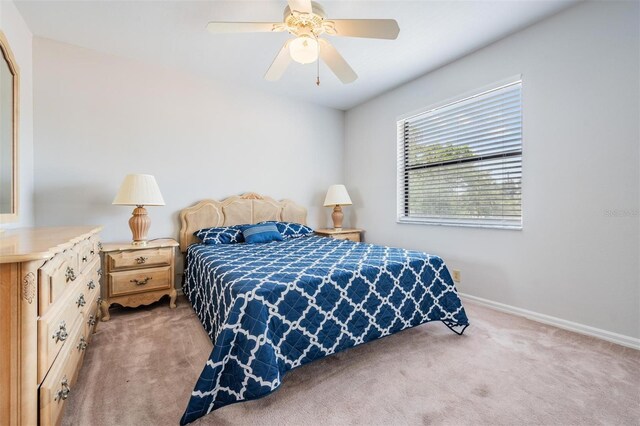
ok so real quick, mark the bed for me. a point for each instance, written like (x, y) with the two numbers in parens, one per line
(269, 308)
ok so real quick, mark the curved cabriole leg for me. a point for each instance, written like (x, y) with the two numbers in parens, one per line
(104, 311)
(172, 301)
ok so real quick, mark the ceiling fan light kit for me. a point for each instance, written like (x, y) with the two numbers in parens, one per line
(304, 49)
(307, 21)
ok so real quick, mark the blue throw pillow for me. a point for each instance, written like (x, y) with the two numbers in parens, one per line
(290, 229)
(261, 233)
(221, 235)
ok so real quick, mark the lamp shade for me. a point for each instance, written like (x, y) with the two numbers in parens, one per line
(139, 190)
(337, 195)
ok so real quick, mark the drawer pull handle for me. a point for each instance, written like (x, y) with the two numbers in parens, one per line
(84, 258)
(100, 272)
(81, 302)
(140, 260)
(64, 391)
(99, 301)
(99, 246)
(92, 252)
(91, 285)
(82, 346)
(71, 275)
(92, 320)
(140, 282)
(61, 335)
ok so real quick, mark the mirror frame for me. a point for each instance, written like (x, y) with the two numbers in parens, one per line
(7, 55)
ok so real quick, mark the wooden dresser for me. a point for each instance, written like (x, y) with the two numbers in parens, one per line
(49, 298)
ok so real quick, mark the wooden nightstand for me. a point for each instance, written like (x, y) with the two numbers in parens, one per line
(342, 234)
(138, 275)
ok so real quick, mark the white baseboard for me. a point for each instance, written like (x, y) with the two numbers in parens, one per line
(620, 339)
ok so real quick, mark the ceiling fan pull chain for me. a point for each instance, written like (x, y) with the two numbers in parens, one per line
(318, 66)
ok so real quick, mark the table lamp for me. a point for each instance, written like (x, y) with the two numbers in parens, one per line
(139, 190)
(337, 196)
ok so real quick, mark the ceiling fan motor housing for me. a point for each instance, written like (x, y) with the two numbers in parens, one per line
(298, 23)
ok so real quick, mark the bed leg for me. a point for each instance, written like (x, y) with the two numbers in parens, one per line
(453, 326)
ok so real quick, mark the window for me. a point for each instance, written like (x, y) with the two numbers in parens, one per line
(461, 163)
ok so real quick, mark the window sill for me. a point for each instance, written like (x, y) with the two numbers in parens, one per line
(462, 224)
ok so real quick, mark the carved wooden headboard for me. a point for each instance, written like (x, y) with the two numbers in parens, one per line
(236, 210)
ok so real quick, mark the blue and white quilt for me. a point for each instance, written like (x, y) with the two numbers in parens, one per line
(269, 308)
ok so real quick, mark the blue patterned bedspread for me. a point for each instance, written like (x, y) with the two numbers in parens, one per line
(269, 308)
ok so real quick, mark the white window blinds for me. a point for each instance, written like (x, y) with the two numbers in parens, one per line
(461, 163)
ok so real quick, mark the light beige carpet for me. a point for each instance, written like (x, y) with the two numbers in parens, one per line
(142, 365)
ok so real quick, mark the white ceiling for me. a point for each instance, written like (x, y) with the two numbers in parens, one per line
(173, 34)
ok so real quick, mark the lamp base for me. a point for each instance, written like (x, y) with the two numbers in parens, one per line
(139, 224)
(337, 217)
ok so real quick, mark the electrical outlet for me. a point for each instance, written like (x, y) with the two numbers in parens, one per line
(456, 275)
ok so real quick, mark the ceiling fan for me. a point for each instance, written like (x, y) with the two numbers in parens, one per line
(306, 20)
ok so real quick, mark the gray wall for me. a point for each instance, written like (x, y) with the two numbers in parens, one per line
(99, 117)
(577, 257)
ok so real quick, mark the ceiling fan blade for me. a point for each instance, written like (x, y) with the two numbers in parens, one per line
(279, 64)
(367, 28)
(242, 27)
(303, 6)
(336, 62)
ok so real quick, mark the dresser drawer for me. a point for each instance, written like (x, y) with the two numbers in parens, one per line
(54, 328)
(140, 280)
(55, 276)
(62, 376)
(139, 258)
(86, 253)
(73, 256)
(90, 315)
(91, 280)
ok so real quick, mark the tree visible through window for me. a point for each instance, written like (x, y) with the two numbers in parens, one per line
(460, 164)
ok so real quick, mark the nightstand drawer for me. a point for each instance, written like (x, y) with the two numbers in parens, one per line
(139, 258)
(350, 234)
(355, 236)
(140, 280)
